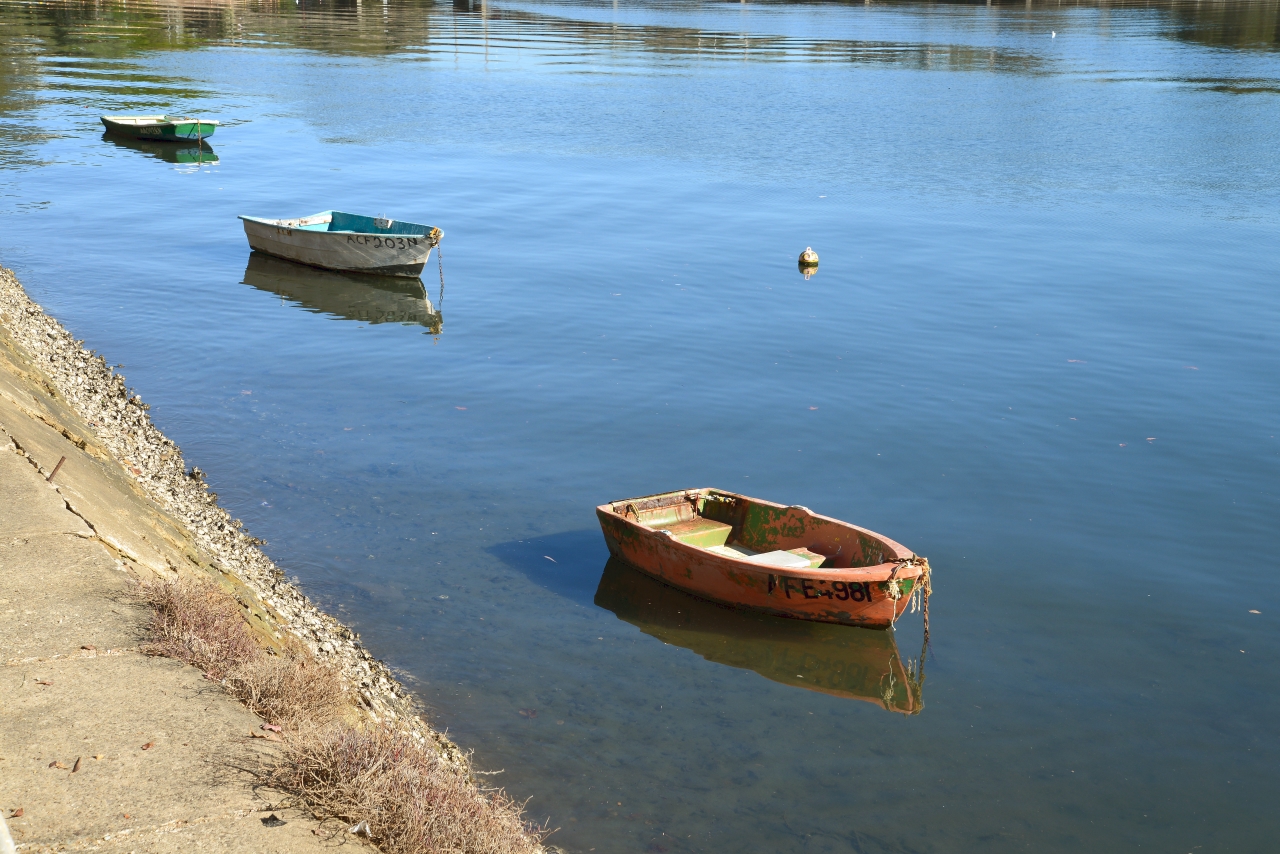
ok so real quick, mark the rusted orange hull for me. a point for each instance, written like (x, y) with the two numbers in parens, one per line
(860, 578)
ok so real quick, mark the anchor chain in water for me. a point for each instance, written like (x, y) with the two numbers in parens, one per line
(440, 264)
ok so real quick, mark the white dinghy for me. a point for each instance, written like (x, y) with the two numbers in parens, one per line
(343, 241)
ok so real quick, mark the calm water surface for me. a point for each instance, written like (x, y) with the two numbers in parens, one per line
(1041, 349)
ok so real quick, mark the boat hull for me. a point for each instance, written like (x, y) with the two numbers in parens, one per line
(383, 255)
(163, 131)
(854, 596)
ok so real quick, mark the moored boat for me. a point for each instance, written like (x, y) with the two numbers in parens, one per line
(755, 554)
(336, 240)
(165, 128)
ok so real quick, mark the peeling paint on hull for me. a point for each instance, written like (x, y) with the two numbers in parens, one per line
(853, 585)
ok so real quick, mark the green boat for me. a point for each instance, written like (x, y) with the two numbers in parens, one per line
(164, 128)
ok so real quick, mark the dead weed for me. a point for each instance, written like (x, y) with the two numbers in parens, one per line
(198, 623)
(408, 796)
(292, 690)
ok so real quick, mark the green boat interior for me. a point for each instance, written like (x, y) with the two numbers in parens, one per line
(737, 527)
(352, 224)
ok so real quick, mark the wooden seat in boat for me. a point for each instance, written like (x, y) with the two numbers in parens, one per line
(714, 536)
(788, 559)
(701, 532)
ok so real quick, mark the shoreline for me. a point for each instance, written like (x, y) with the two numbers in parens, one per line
(131, 486)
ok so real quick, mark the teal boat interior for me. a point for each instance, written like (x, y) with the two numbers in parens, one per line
(349, 223)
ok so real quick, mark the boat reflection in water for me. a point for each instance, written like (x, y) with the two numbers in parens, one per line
(844, 661)
(353, 296)
(170, 152)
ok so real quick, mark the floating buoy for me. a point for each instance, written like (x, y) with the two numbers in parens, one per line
(808, 262)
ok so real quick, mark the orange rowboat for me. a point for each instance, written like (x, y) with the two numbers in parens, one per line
(756, 554)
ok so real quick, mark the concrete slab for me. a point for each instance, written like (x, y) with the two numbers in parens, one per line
(230, 834)
(96, 490)
(28, 506)
(162, 756)
(80, 596)
(93, 486)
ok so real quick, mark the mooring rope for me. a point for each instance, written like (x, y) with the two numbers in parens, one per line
(928, 588)
(919, 593)
(920, 602)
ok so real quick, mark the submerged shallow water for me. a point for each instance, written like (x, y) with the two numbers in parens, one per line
(1040, 349)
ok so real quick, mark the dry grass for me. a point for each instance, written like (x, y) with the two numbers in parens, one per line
(291, 690)
(413, 799)
(198, 623)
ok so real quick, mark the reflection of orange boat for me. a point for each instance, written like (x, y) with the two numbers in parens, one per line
(756, 554)
(844, 661)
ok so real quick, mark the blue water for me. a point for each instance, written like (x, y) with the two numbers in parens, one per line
(1040, 349)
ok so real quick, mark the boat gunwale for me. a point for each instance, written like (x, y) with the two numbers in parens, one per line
(300, 223)
(156, 121)
(874, 572)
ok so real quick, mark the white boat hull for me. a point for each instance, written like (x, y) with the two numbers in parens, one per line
(386, 255)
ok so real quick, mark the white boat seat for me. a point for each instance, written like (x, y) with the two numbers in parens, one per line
(732, 550)
(786, 560)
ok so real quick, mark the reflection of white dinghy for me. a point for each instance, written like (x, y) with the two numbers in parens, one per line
(343, 241)
(353, 296)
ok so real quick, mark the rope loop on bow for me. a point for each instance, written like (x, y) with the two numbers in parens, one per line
(920, 590)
